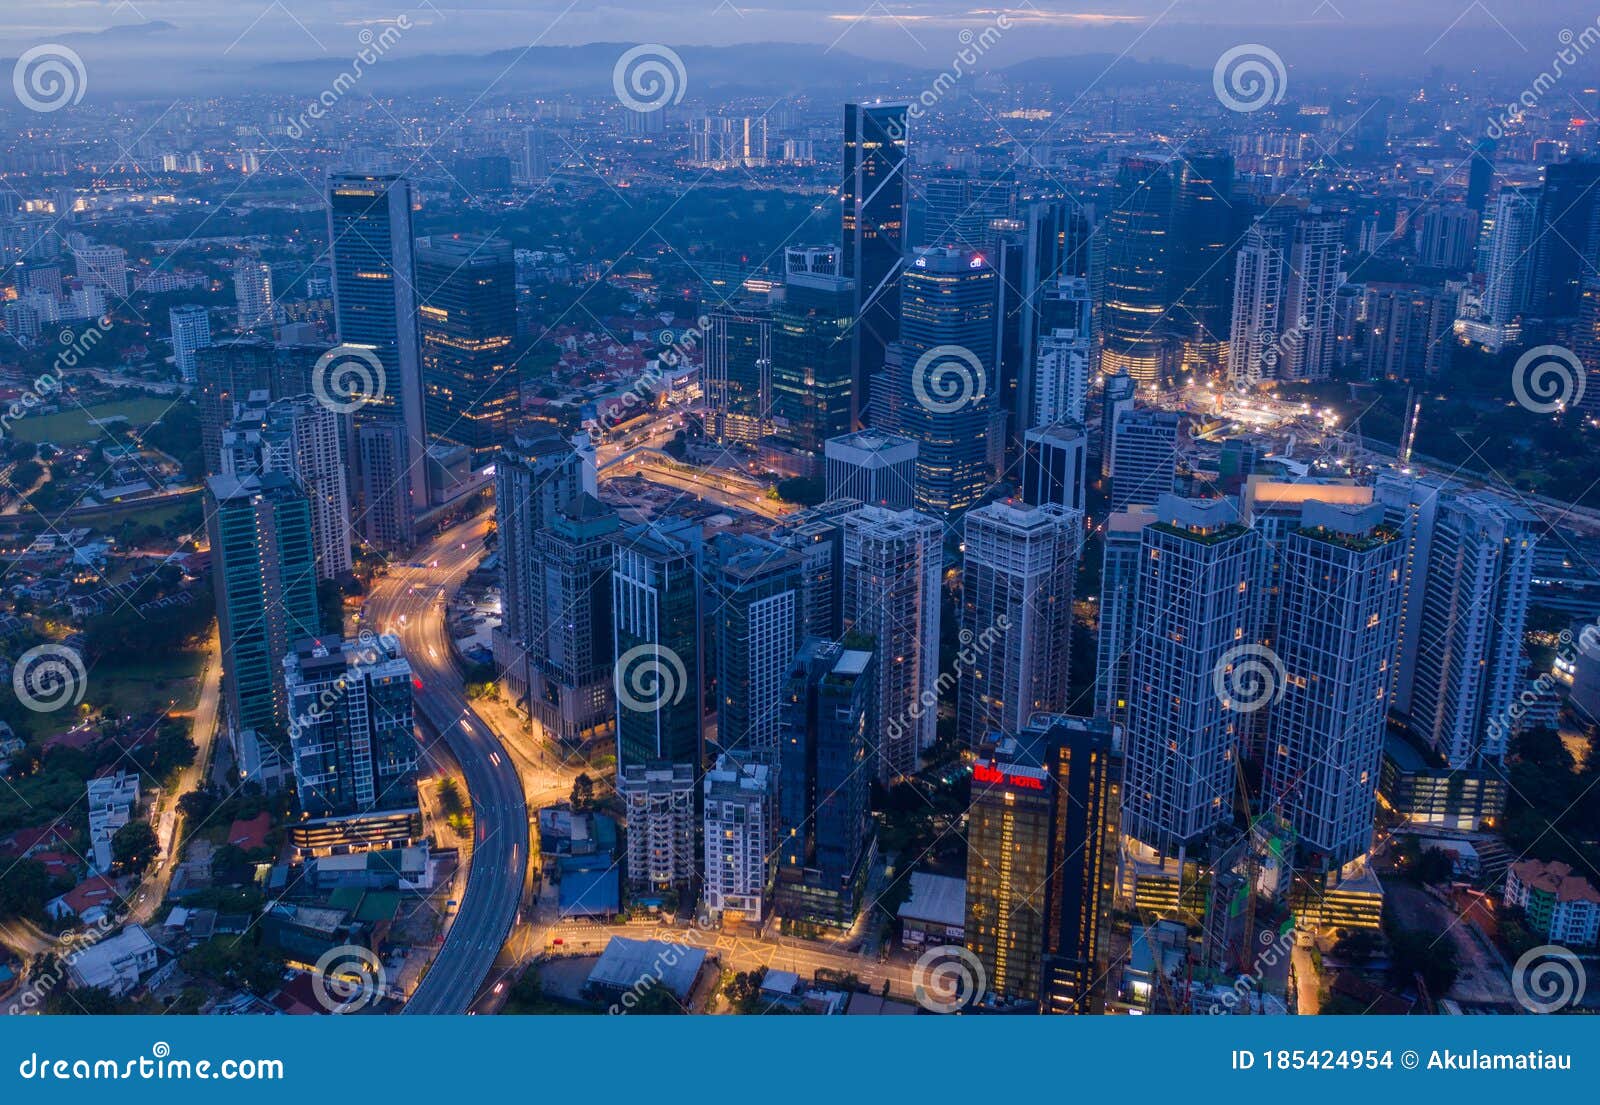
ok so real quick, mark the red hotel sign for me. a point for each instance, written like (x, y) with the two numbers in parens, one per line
(983, 773)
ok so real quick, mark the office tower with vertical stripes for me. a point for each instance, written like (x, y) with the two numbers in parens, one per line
(1041, 862)
(536, 476)
(570, 665)
(939, 385)
(892, 562)
(737, 376)
(467, 287)
(1144, 456)
(264, 572)
(375, 307)
(755, 592)
(1016, 615)
(873, 198)
(1116, 632)
(873, 468)
(1339, 615)
(813, 335)
(824, 776)
(1191, 616)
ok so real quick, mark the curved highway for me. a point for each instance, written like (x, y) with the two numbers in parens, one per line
(409, 602)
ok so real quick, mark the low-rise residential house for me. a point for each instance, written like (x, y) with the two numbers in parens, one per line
(1560, 904)
(116, 964)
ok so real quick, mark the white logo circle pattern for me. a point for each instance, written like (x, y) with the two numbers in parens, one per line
(947, 978)
(1548, 378)
(347, 378)
(333, 985)
(48, 677)
(50, 77)
(1548, 979)
(1249, 678)
(648, 678)
(650, 77)
(947, 378)
(1250, 77)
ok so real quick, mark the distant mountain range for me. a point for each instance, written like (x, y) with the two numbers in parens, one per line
(138, 60)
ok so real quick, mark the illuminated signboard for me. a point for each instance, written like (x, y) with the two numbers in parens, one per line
(983, 773)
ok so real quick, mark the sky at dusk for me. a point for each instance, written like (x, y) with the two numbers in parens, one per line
(1378, 35)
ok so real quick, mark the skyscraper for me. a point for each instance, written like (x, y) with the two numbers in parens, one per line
(1016, 592)
(940, 380)
(352, 730)
(1206, 229)
(872, 467)
(824, 825)
(1339, 622)
(1287, 274)
(252, 293)
(1508, 279)
(740, 794)
(1061, 377)
(1117, 631)
(1567, 236)
(375, 307)
(1144, 456)
(873, 198)
(191, 331)
(265, 577)
(1116, 399)
(226, 374)
(1191, 614)
(1044, 266)
(1055, 463)
(1447, 236)
(737, 377)
(1041, 861)
(467, 287)
(813, 390)
(571, 657)
(892, 562)
(754, 613)
(536, 476)
(657, 617)
(1136, 283)
(301, 438)
(1462, 678)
